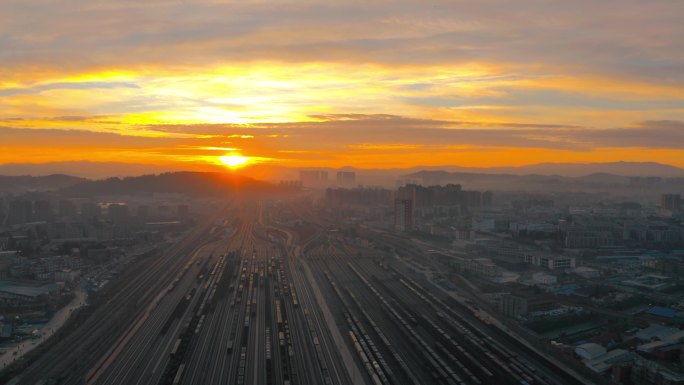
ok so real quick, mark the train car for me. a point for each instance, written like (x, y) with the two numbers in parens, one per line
(176, 345)
(179, 374)
(268, 344)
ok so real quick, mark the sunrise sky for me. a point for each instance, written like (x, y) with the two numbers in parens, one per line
(334, 83)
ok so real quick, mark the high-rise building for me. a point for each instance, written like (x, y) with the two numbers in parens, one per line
(66, 208)
(118, 213)
(671, 202)
(345, 178)
(313, 177)
(359, 196)
(487, 199)
(472, 198)
(183, 212)
(449, 195)
(20, 211)
(419, 196)
(143, 212)
(43, 210)
(90, 211)
(403, 215)
(296, 184)
(163, 211)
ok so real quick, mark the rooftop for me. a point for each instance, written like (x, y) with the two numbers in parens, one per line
(590, 350)
(25, 290)
(604, 362)
(655, 331)
(665, 312)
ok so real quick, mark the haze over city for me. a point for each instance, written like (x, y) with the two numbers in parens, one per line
(307, 192)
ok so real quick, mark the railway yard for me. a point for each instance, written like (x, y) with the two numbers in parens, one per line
(234, 315)
(246, 308)
(406, 333)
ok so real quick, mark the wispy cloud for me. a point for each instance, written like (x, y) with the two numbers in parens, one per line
(341, 80)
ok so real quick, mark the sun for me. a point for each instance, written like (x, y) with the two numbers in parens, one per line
(234, 161)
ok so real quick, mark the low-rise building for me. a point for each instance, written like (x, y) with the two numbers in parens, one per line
(550, 261)
(544, 278)
(586, 272)
(650, 282)
(605, 362)
(590, 351)
(18, 294)
(645, 372)
(523, 303)
(66, 275)
(482, 266)
(655, 332)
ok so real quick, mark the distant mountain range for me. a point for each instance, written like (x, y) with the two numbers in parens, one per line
(222, 183)
(86, 169)
(184, 182)
(99, 170)
(388, 176)
(37, 183)
(618, 178)
(189, 183)
(604, 183)
(561, 169)
(583, 169)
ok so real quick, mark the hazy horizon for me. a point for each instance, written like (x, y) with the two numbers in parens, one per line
(101, 170)
(332, 84)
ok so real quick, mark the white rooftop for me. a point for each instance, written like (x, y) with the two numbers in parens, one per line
(605, 362)
(590, 350)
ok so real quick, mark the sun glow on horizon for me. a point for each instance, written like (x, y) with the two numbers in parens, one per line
(234, 161)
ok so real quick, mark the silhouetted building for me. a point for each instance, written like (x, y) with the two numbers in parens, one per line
(163, 211)
(297, 184)
(183, 212)
(359, 196)
(90, 211)
(487, 199)
(419, 196)
(671, 202)
(449, 195)
(403, 215)
(345, 178)
(20, 211)
(66, 208)
(472, 198)
(43, 210)
(143, 212)
(118, 213)
(313, 177)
